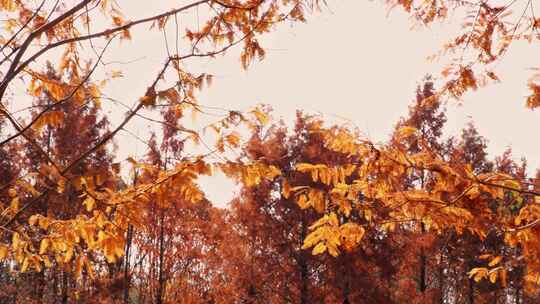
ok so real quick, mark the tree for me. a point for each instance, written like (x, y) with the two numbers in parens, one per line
(273, 227)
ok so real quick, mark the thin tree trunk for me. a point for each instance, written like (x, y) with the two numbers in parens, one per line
(303, 266)
(471, 291)
(346, 289)
(423, 265)
(129, 238)
(423, 259)
(161, 281)
(40, 285)
(126, 263)
(64, 287)
(441, 278)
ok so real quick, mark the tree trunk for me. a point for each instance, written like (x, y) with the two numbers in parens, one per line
(346, 289)
(161, 281)
(40, 285)
(126, 263)
(423, 265)
(64, 287)
(441, 277)
(471, 291)
(303, 266)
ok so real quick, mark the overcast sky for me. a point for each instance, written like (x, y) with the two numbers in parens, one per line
(351, 61)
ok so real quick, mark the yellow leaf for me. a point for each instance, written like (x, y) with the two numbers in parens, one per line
(495, 261)
(51, 118)
(43, 246)
(493, 277)
(3, 252)
(37, 264)
(351, 234)
(44, 222)
(312, 239)
(316, 199)
(89, 202)
(112, 250)
(25, 265)
(405, 131)
(478, 273)
(261, 116)
(473, 272)
(116, 74)
(15, 240)
(101, 236)
(303, 167)
(47, 262)
(302, 201)
(333, 219)
(273, 171)
(33, 220)
(233, 139)
(320, 248)
(148, 100)
(117, 20)
(285, 189)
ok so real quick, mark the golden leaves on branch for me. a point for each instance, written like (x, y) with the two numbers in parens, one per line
(371, 188)
(405, 132)
(341, 141)
(496, 270)
(328, 235)
(66, 243)
(51, 118)
(250, 174)
(8, 5)
(311, 198)
(326, 175)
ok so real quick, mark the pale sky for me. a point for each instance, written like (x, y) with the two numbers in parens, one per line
(350, 61)
(354, 61)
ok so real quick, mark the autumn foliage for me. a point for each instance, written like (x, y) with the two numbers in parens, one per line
(323, 214)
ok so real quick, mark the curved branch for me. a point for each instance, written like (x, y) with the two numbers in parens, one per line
(13, 70)
(20, 130)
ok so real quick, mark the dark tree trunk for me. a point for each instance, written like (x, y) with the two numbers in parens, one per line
(161, 280)
(441, 278)
(423, 265)
(65, 296)
(126, 263)
(302, 263)
(346, 289)
(471, 291)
